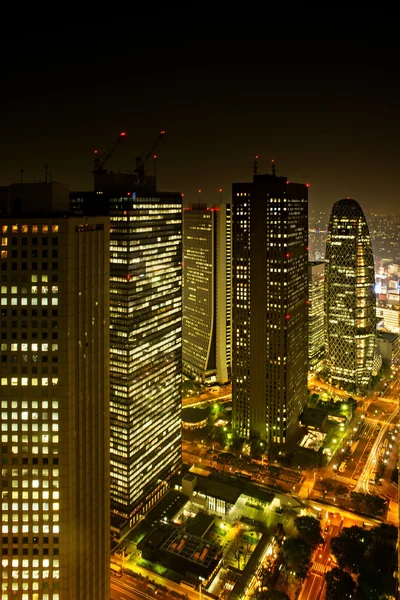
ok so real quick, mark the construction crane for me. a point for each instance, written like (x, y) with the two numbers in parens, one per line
(98, 163)
(142, 160)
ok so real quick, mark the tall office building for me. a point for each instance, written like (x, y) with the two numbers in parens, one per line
(206, 340)
(316, 313)
(54, 397)
(270, 311)
(145, 347)
(349, 297)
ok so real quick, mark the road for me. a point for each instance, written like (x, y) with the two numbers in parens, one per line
(313, 586)
(127, 588)
(130, 588)
(363, 484)
(224, 395)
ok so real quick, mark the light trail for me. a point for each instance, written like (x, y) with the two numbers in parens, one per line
(363, 483)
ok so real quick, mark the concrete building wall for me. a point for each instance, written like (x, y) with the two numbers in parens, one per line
(55, 407)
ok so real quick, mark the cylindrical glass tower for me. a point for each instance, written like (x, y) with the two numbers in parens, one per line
(349, 298)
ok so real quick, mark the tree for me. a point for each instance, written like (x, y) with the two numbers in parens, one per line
(342, 490)
(385, 533)
(273, 473)
(349, 548)
(366, 503)
(296, 553)
(339, 585)
(309, 530)
(273, 595)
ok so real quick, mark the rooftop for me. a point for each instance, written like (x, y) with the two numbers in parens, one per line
(194, 415)
(174, 540)
(387, 336)
(218, 489)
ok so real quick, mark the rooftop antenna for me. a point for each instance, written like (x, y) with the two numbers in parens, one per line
(220, 195)
(199, 196)
(155, 166)
(46, 167)
(255, 166)
(22, 175)
(273, 168)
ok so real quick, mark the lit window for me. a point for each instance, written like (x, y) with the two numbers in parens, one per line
(45, 228)
(54, 228)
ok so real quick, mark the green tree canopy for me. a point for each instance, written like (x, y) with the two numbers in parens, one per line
(296, 553)
(339, 585)
(273, 595)
(349, 548)
(309, 530)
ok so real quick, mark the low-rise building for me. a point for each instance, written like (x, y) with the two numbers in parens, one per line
(196, 559)
(388, 347)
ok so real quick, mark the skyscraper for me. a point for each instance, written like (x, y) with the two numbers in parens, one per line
(145, 347)
(206, 341)
(349, 297)
(270, 292)
(54, 398)
(316, 313)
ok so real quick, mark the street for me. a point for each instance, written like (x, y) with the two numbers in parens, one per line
(128, 587)
(314, 584)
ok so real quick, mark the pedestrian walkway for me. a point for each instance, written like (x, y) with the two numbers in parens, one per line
(318, 567)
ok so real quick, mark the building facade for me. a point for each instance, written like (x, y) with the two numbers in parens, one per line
(316, 314)
(270, 311)
(349, 298)
(54, 400)
(388, 347)
(389, 317)
(145, 348)
(206, 341)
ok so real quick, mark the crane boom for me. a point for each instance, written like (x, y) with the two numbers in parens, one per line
(141, 160)
(99, 164)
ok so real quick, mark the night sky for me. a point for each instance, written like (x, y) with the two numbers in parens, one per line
(323, 103)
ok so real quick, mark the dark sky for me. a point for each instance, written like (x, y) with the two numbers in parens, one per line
(324, 103)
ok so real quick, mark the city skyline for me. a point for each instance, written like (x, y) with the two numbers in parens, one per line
(199, 386)
(324, 106)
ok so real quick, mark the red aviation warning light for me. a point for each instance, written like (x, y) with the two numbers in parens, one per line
(287, 255)
(122, 134)
(307, 185)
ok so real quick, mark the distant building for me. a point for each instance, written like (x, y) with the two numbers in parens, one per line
(54, 314)
(206, 342)
(349, 298)
(270, 311)
(388, 347)
(316, 313)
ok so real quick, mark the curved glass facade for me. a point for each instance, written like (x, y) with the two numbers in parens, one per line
(349, 297)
